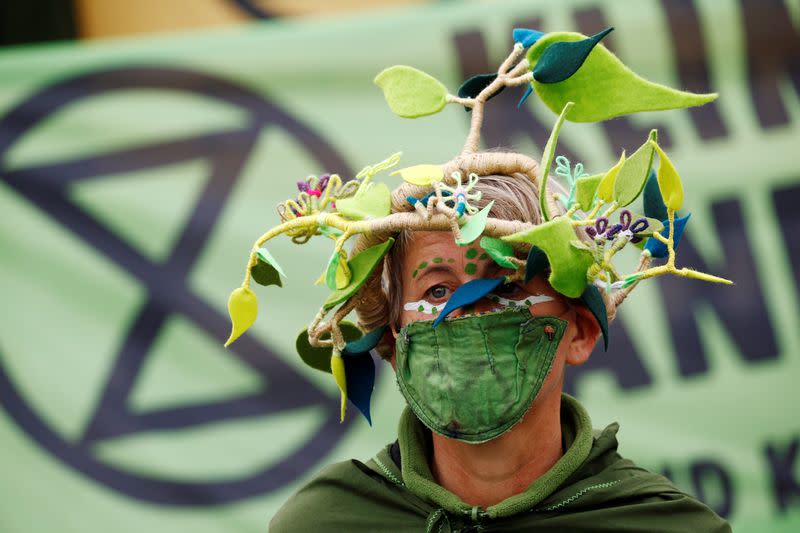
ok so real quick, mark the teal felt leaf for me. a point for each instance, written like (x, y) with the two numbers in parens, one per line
(320, 357)
(526, 37)
(547, 160)
(373, 202)
(359, 372)
(361, 267)
(634, 172)
(366, 343)
(536, 264)
(474, 226)
(474, 85)
(568, 265)
(498, 250)
(563, 58)
(264, 255)
(528, 92)
(468, 293)
(585, 189)
(265, 274)
(411, 93)
(593, 300)
(657, 248)
(603, 87)
(652, 201)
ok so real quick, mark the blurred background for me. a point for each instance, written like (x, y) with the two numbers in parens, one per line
(144, 145)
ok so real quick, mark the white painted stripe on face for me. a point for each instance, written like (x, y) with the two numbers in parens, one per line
(422, 306)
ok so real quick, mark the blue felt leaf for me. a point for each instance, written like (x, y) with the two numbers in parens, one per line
(562, 59)
(537, 263)
(525, 96)
(593, 300)
(366, 343)
(469, 293)
(359, 371)
(652, 200)
(525, 36)
(657, 248)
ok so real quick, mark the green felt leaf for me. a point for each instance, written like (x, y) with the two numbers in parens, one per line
(361, 267)
(654, 226)
(603, 87)
(669, 181)
(320, 357)
(264, 255)
(330, 231)
(411, 93)
(605, 189)
(243, 309)
(498, 250)
(265, 274)
(633, 174)
(568, 265)
(563, 58)
(585, 189)
(580, 245)
(422, 175)
(547, 160)
(373, 202)
(474, 226)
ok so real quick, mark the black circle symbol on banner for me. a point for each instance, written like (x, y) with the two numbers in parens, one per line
(165, 283)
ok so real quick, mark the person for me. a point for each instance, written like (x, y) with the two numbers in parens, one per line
(481, 281)
(549, 472)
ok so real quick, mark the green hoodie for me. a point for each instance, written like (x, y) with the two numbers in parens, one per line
(591, 488)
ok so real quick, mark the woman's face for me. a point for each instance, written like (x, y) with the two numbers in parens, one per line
(434, 266)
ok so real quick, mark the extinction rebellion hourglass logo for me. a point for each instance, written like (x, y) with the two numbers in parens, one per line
(164, 286)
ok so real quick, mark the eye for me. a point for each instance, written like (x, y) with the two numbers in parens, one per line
(438, 292)
(508, 289)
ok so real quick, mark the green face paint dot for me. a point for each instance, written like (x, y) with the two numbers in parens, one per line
(414, 274)
(472, 253)
(434, 310)
(484, 256)
(527, 302)
(471, 268)
(422, 265)
(451, 260)
(437, 260)
(512, 303)
(495, 298)
(420, 308)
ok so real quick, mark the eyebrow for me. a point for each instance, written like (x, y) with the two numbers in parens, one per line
(434, 269)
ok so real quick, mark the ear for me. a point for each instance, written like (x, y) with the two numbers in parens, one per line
(587, 331)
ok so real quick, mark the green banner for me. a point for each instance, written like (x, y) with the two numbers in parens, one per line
(135, 176)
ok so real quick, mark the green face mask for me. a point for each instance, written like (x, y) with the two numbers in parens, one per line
(472, 378)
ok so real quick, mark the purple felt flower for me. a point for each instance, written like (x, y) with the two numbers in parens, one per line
(601, 225)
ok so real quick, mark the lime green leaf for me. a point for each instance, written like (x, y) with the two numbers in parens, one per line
(603, 87)
(605, 190)
(265, 274)
(361, 267)
(669, 181)
(337, 275)
(337, 369)
(422, 175)
(585, 188)
(319, 357)
(633, 174)
(373, 202)
(498, 250)
(264, 255)
(568, 265)
(411, 93)
(547, 160)
(243, 308)
(653, 226)
(474, 226)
